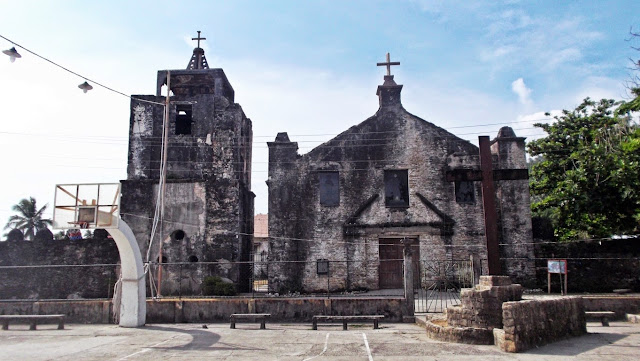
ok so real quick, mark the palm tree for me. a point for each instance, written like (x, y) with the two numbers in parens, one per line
(29, 218)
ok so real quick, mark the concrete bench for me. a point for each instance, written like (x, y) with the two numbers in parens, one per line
(262, 317)
(345, 319)
(603, 316)
(32, 320)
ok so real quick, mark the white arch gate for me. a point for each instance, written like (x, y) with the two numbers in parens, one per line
(133, 305)
(91, 206)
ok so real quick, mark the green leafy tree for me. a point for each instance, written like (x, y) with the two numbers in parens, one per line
(29, 218)
(634, 83)
(587, 176)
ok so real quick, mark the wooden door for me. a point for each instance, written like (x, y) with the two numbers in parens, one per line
(390, 272)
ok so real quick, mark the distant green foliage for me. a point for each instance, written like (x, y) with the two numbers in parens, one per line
(214, 286)
(633, 105)
(587, 174)
(29, 218)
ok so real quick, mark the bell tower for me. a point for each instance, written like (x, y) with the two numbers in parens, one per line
(208, 203)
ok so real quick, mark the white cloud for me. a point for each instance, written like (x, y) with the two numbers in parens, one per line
(563, 56)
(491, 54)
(542, 42)
(524, 124)
(596, 88)
(520, 88)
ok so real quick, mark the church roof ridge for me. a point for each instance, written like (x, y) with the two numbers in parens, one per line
(378, 116)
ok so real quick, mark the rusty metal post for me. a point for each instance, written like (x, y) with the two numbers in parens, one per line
(489, 206)
(408, 275)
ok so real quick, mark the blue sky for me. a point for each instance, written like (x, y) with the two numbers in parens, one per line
(305, 67)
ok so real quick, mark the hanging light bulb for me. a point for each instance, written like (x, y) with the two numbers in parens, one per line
(13, 54)
(85, 87)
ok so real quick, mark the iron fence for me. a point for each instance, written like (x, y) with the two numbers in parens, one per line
(440, 283)
(437, 283)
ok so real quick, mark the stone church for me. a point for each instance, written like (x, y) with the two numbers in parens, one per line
(208, 203)
(338, 214)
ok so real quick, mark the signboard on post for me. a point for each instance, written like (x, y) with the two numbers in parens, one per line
(558, 266)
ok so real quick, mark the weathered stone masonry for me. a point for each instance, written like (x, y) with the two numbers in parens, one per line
(208, 198)
(353, 219)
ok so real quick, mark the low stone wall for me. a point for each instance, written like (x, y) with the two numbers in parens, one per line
(481, 306)
(478, 314)
(621, 305)
(216, 310)
(90, 311)
(281, 309)
(439, 330)
(537, 322)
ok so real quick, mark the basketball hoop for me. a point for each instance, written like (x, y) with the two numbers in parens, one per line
(87, 206)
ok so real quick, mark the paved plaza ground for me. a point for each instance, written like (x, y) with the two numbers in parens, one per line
(293, 341)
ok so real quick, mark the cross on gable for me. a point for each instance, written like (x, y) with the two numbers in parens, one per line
(388, 64)
(198, 38)
(487, 175)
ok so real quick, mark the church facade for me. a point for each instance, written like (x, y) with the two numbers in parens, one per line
(208, 203)
(339, 214)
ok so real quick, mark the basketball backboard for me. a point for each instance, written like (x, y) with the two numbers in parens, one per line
(87, 206)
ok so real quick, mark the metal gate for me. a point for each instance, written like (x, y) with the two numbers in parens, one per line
(259, 271)
(440, 284)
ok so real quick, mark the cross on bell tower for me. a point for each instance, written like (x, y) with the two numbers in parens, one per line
(198, 61)
(388, 64)
(198, 38)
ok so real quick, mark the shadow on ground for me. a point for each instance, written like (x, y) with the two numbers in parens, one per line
(578, 345)
(201, 339)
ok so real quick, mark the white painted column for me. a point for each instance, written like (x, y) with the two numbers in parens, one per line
(133, 306)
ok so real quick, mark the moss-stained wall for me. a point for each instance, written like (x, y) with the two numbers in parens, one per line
(73, 276)
(303, 230)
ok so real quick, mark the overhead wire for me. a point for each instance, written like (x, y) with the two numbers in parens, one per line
(233, 233)
(76, 74)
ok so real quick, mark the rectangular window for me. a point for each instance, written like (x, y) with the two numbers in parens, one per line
(465, 192)
(184, 119)
(322, 266)
(329, 188)
(396, 188)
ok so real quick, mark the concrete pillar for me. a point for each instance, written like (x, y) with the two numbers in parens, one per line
(408, 275)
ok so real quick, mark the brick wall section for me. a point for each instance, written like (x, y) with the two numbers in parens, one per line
(532, 323)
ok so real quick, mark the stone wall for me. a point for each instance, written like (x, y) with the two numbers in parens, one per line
(303, 228)
(89, 311)
(481, 306)
(208, 205)
(621, 305)
(532, 323)
(88, 269)
(58, 282)
(594, 266)
(217, 310)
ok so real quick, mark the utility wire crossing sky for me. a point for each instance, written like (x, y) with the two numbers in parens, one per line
(307, 68)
